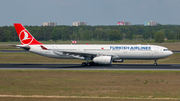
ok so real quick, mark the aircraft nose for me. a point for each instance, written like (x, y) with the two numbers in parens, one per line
(171, 53)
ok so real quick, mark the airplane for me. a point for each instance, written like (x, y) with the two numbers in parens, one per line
(97, 54)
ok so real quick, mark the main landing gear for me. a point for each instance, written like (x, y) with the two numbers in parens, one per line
(155, 64)
(88, 64)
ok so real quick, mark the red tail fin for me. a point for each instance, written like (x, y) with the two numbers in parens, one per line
(24, 36)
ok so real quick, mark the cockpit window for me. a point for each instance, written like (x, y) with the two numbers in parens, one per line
(166, 50)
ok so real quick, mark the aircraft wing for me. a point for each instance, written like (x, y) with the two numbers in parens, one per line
(82, 53)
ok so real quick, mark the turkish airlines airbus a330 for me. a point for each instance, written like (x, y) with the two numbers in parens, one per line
(99, 54)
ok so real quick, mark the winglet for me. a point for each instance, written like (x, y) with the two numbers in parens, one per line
(24, 36)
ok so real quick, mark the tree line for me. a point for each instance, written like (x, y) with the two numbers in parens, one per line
(95, 33)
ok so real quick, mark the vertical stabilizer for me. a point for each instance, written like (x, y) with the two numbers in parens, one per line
(24, 36)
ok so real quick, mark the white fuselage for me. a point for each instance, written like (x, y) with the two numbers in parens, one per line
(116, 51)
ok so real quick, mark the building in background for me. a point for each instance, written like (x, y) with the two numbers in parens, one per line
(150, 23)
(153, 23)
(49, 23)
(79, 23)
(147, 23)
(124, 23)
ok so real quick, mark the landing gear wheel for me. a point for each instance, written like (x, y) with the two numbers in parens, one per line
(83, 64)
(155, 64)
(88, 64)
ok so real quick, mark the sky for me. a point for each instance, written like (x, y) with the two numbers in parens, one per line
(94, 12)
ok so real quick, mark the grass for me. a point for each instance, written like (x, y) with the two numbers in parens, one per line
(130, 84)
(33, 58)
(77, 99)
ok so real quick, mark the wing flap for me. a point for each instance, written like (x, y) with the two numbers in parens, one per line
(80, 53)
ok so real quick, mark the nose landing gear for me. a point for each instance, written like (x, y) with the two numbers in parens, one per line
(155, 64)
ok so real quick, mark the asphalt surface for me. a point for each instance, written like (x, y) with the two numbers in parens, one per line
(172, 67)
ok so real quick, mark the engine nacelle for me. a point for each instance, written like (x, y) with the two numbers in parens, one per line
(103, 60)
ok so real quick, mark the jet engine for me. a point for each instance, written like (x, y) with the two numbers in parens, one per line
(103, 60)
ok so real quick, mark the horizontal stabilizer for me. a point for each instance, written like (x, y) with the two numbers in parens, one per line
(26, 47)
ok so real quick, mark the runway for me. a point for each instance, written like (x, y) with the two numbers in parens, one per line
(164, 67)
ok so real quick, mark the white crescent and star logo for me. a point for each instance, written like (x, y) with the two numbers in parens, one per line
(25, 37)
